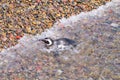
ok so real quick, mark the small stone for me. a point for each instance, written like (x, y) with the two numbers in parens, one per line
(90, 78)
(115, 25)
(59, 72)
(18, 37)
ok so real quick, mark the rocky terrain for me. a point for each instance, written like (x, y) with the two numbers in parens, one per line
(96, 56)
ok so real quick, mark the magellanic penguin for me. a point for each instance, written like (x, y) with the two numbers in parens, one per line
(60, 44)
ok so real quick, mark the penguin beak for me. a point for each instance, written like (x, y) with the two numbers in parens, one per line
(42, 40)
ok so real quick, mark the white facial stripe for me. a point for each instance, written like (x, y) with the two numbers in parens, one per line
(50, 42)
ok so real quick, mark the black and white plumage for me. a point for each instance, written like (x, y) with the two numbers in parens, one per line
(60, 43)
(48, 41)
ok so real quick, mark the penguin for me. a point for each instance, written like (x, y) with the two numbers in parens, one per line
(60, 43)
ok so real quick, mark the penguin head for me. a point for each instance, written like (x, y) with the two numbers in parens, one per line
(47, 41)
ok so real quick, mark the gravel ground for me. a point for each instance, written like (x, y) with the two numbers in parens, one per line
(97, 56)
(19, 17)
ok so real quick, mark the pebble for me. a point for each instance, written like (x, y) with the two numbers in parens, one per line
(59, 72)
(42, 14)
(115, 25)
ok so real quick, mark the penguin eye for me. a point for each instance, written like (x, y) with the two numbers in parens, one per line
(47, 42)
